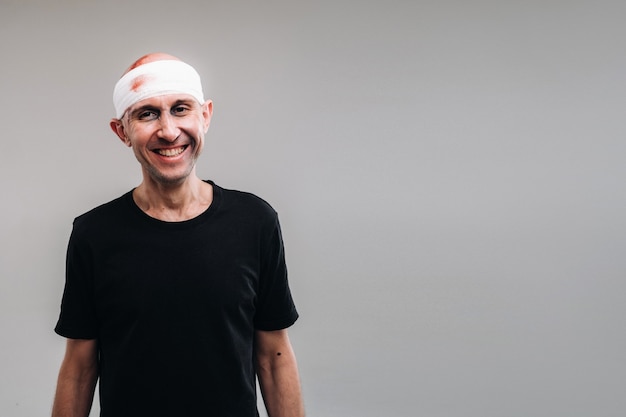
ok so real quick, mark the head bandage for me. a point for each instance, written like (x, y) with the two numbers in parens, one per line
(154, 79)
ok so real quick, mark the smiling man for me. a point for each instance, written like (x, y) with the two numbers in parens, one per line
(176, 296)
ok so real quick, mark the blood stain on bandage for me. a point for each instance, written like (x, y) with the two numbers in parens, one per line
(138, 82)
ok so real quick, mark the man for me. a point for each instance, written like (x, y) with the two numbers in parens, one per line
(176, 293)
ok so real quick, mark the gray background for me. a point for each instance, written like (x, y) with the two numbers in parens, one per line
(449, 176)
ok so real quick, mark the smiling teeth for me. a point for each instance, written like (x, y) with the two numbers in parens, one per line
(171, 152)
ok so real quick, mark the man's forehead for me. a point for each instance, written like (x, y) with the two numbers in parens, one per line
(165, 101)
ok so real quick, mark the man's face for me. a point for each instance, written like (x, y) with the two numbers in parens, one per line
(167, 135)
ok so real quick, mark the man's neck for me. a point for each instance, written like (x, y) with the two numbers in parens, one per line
(174, 202)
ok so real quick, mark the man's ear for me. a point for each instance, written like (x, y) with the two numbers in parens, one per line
(207, 113)
(118, 128)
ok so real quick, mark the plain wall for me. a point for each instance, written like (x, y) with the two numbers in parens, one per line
(449, 177)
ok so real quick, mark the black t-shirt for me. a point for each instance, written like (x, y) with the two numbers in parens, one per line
(174, 305)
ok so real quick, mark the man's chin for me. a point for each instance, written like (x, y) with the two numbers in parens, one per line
(169, 179)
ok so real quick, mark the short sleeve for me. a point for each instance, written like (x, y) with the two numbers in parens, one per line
(276, 309)
(77, 319)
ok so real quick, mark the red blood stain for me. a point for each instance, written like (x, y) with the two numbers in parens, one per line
(139, 81)
(143, 60)
(146, 59)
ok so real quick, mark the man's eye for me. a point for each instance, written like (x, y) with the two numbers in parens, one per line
(147, 115)
(180, 110)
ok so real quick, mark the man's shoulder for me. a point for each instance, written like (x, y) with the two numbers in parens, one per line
(245, 202)
(103, 215)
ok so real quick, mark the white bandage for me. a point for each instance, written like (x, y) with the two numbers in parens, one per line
(154, 79)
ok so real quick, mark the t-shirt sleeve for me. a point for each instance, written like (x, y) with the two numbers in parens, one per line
(77, 318)
(275, 309)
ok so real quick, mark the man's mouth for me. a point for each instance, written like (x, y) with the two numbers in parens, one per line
(171, 151)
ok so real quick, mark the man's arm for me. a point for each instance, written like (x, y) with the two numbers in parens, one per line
(278, 374)
(77, 379)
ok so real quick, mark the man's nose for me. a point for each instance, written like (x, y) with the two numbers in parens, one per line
(169, 129)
